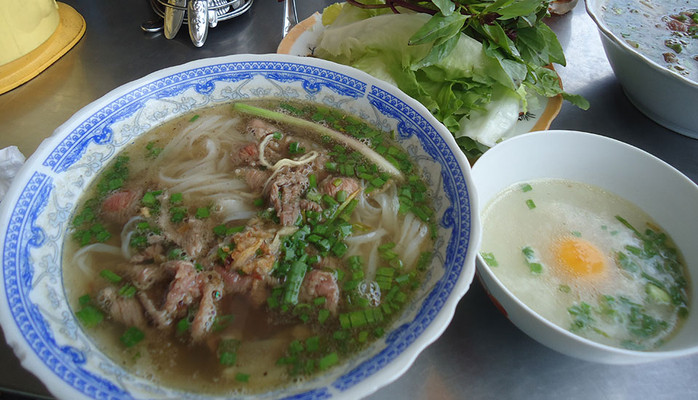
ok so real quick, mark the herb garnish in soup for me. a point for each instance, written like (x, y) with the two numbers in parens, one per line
(666, 31)
(245, 247)
(588, 261)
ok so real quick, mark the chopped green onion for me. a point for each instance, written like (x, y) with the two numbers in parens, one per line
(227, 351)
(110, 276)
(176, 198)
(132, 336)
(183, 325)
(89, 316)
(203, 212)
(228, 359)
(293, 282)
(127, 291)
(328, 361)
(323, 315)
(84, 300)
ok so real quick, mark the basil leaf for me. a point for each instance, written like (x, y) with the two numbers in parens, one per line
(518, 9)
(439, 26)
(438, 52)
(445, 6)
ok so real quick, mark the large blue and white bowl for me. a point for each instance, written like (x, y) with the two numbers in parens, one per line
(36, 318)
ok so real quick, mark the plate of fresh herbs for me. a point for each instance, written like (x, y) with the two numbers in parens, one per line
(484, 68)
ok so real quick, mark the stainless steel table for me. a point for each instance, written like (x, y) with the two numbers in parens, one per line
(481, 354)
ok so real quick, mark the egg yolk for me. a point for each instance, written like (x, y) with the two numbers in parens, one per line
(579, 257)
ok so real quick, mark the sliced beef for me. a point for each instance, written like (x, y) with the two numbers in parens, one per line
(247, 155)
(120, 206)
(331, 185)
(317, 166)
(127, 311)
(676, 25)
(211, 292)
(328, 263)
(192, 235)
(185, 288)
(255, 288)
(260, 128)
(149, 275)
(308, 205)
(160, 318)
(319, 283)
(171, 289)
(255, 178)
(285, 192)
(155, 253)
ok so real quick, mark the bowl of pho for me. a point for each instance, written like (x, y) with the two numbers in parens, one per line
(589, 249)
(247, 226)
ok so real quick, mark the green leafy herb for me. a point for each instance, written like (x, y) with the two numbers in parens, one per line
(455, 57)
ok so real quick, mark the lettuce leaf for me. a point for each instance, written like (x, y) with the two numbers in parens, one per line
(474, 76)
(449, 86)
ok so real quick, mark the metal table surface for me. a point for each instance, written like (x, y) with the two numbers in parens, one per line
(481, 354)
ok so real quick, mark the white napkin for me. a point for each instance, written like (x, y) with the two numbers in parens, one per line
(11, 160)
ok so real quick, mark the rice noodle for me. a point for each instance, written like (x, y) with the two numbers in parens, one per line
(381, 212)
(126, 233)
(80, 258)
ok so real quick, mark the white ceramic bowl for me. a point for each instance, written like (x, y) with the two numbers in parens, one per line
(653, 185)
(663, 95)
(36, 318)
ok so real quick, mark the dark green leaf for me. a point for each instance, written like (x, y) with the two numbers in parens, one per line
(439, 27)
(519, 8)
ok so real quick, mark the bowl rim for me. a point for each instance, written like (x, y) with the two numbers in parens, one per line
(592, 7)
(484, 268)
(391, 370)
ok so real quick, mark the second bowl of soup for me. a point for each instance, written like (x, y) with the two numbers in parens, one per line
(587, 246)
(652, 48)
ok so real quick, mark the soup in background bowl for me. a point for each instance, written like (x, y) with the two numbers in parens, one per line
(659, 80)
(48, 310)
(656, 188)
